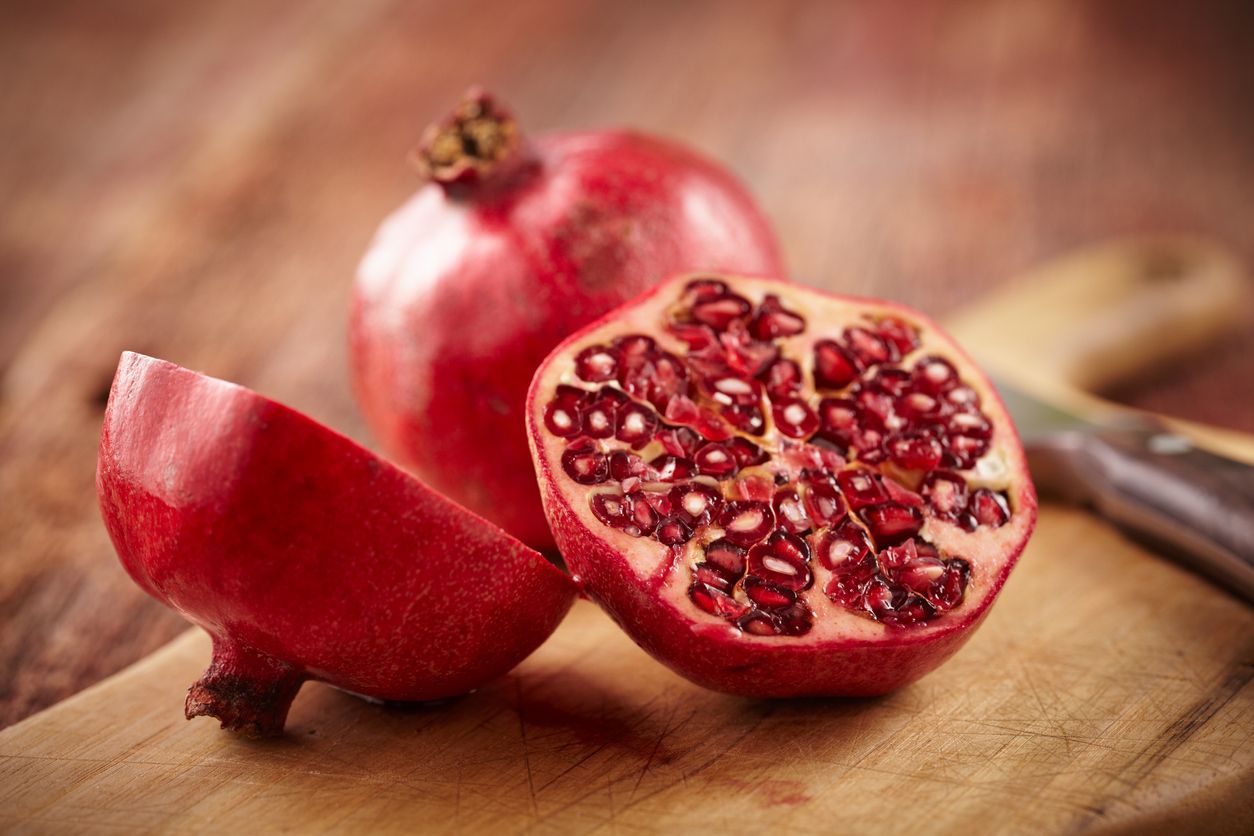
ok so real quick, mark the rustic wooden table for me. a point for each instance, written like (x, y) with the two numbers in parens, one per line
(196, 181)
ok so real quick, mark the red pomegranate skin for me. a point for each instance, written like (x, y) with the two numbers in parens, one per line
(714, 654)
(469, 285)
(305, 556)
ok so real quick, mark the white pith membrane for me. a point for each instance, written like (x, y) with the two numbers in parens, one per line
(909, 581)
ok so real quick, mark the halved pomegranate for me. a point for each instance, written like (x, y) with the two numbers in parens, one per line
(824, 493)
(305, 556)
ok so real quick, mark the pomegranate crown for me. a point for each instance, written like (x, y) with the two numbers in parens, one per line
(476, 142)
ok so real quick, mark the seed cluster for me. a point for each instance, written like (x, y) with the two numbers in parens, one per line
(873, 442)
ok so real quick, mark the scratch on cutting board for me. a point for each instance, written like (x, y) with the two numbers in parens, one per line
(522, 731)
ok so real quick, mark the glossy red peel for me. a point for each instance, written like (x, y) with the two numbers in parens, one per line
(304, 555)
(512, 244)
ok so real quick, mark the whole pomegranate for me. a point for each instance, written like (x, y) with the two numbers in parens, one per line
(303, 555)
(778, 491)
(509, 247)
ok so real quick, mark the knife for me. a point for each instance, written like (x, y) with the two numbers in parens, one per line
(1198, 507)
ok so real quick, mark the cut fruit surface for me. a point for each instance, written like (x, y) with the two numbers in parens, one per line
(838, 491)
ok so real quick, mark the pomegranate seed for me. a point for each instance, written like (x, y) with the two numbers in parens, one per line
(774, 320)
(964, 451)
(668, 382)
(715, 602)
(934, 375)
(682, 410)
(790, 511)
(834, 367)
(782, 560)
(794, 417)
(746, 418)
(847, 590)
(867, 348)
(730, 390)
(634, 345)
(609, 508)
(746, 452)
(598, 419)
(843, 546)
(715, 459)
(585, 464)
(637, 424)
(922, 575)
(782, 379)
(795, 620)
(759, 623)
(946, 493)
(914, 450)
(878, 409)
(767, 595)
(719, 312)
(714, 577)
(562, 420)
(989, 508)
(672, 532)
(891, 381)
(963, 397)
(596, 364)
(892, 522)
(824, 503)
(948, 593)
(726, 555)
(679, 441)
(672, 468)
(747, 357)
(641, 513)
(713, 426)
(902, 335)
(755, 488)
(972, 424)
(695, 504)
(918, 405)
(745, 522)
(695, 336)
(861, 487)
(702, 290)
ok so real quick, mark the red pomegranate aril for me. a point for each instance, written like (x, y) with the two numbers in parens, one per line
(934, 375)
(715, 459)
(624, 465)
(922, 574)
(696, 504)
(715, 577)
(963, 397)
(861, 487)
(794, 418)
(598, 419)
(712, 426)
(734, 390)
(673, 532)
(703, 290)
(745, 522)
(694, 335)
(720, 312)
(773, 320)
(914, 450)
(834, 367)
(917, 406)
(746, 356)
(843, 546)
(562, 419)
(796, 620)
(597, 364)
(783, 379)
(746, 418)
(903, 336)
(867, 348)
(726, 555)
(945, 492)
(824, 503)
(989, 508)
(972, 424)
(768, 595)
(791, 513)
(782, 560)
(949, 592)
(847, 590)
(610, 508)
(963, 451)
(891, 381)
(715, 602)
(753, 488)
(672, 468)
(892, 522)
(679, 441)
(634, 345)
(637, 424)
(641, 513)
(585, 464)
(669, 381)
(746, 452)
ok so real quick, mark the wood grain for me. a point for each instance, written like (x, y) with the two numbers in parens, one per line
(1065, 713)
(196, 181)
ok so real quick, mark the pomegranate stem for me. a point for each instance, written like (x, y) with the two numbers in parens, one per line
(248, 692)
(477, 144)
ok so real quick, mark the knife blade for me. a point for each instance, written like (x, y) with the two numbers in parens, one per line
(1196, 506)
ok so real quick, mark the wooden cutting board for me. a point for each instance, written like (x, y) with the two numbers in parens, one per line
(1107, 690)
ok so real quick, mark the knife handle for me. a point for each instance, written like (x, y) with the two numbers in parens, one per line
(1158, 486)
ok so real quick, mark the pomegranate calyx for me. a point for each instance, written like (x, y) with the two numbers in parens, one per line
(478, 142)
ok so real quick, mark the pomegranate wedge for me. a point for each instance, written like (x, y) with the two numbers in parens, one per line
(303, 555)
(787, 492)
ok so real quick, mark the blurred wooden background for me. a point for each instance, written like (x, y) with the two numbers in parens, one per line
(197, 181)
